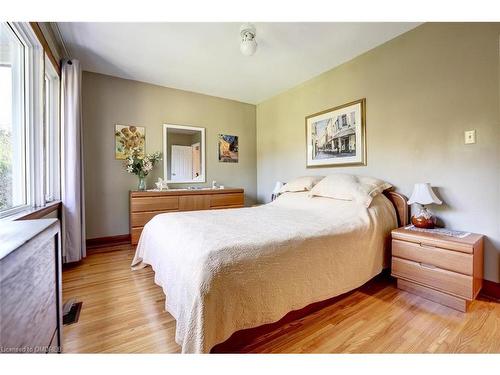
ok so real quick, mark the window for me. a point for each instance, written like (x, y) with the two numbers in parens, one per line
(29, 122)
(51, 133)
(13, 179)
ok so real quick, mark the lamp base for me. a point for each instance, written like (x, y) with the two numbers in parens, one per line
(421, 222)
(424, 219)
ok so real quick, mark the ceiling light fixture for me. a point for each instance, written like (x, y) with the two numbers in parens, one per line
(248, 44)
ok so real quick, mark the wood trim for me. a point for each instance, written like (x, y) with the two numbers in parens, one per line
(400, 203)
(491, 289)
(39, 213)
(43, 41)
(120, 239)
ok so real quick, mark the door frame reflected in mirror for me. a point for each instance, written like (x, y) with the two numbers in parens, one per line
(166, 160)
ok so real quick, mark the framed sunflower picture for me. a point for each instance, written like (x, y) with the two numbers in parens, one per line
(128, 137)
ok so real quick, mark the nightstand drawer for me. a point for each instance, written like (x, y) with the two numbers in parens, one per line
(447, 281)
(445, 259)
(464, 245)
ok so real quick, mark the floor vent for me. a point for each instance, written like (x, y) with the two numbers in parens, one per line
(72, 314)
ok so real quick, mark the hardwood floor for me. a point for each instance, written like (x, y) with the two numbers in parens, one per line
(123, 312)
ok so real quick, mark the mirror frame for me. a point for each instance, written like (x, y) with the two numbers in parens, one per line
(165, 161)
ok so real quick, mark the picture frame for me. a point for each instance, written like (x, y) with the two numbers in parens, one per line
(227, 148)
(336, 137)
(128, 137)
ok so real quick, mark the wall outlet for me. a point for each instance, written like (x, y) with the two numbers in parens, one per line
(470, 136)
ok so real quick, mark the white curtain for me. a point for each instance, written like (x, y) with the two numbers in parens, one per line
(73, 238)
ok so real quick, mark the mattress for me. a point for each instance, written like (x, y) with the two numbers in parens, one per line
(228, 270)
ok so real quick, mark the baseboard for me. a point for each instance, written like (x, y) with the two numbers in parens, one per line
(121, 239)
(491, 289)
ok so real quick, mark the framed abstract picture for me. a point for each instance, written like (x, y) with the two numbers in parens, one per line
(337, 136)
(128, 137)
(228, 148)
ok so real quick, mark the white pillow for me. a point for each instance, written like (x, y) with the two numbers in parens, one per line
(301, 184)
(348, 187)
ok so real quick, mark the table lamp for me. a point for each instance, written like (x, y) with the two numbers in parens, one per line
(423, 195)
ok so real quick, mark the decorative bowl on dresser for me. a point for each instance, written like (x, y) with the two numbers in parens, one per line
(442, 268)
(144, 205)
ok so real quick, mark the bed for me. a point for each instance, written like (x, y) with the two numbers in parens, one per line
(227, 270)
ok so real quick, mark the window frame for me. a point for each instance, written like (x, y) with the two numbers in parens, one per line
(52, 133)
(21, 118)
(33, 117)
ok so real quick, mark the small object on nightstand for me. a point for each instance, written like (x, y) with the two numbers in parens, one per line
(276, 190)
(443, 268)
(423, 194)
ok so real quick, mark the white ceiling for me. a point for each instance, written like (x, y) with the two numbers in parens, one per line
(205, 57)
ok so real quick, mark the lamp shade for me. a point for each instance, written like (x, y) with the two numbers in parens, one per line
(277, 187)
(423, 194)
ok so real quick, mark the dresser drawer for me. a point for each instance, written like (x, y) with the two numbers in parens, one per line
(447, 281)
(223, 200)
(135, 235)
(154, 203)
(445, 259)
(194, 202)
(139, 219)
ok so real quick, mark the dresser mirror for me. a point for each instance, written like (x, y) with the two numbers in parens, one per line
(184, 153)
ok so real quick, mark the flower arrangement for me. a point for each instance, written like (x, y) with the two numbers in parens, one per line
(140, 165)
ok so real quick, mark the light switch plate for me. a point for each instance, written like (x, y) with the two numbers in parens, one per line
(470, 136)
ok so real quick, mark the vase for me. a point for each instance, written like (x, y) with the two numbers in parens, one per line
(423, 219)
(142, 183)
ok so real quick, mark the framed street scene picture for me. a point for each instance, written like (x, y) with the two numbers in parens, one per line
(228, 148)
(336, 137)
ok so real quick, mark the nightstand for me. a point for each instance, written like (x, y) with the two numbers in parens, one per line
(441, 268)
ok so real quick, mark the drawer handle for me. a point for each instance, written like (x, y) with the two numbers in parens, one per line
(427, 246)
(425, 265)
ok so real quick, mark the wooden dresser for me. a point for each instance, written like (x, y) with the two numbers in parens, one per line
(30, 286)
(444, 269)
(144, 205)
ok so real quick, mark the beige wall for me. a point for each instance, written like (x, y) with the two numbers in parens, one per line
(423, 90)
(108, 101)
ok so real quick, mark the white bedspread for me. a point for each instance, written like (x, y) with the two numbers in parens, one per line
(227, 270)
